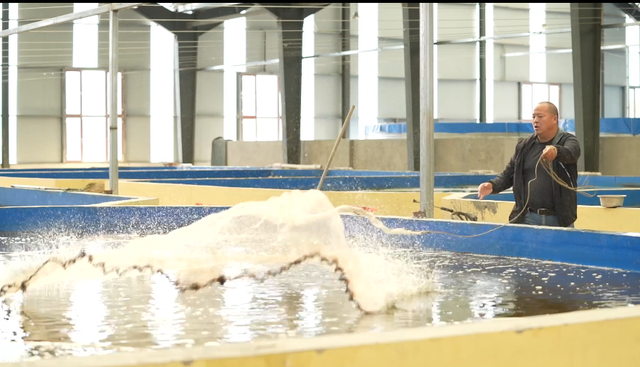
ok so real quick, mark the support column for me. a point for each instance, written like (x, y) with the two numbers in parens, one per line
(625, 99)
(187, 56)
(602, 89)
(187, 37)
(177, 125)
(346, 63)
(482, 62)
(427, 150)
(113, 101)
(290, 24)
(5, 87)
(586, 40)
(411, 26)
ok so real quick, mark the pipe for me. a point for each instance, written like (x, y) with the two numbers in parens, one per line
(113, 101)
(503, 36)
(426, 110)
(177, 111)
(345, 62)
(5, 88)
(626, 84)
(331, 54)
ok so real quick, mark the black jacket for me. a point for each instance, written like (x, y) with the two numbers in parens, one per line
(565, 166)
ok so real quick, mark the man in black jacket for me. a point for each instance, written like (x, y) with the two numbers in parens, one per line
(549, 203)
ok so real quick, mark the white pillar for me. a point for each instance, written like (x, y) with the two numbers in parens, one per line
(427, 150)
(113, 101)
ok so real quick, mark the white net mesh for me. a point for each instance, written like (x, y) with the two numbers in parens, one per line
(255, 239)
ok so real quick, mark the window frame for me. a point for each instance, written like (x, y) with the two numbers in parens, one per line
(631, 107)
(528, 118)
(121, 115)
(242, 117)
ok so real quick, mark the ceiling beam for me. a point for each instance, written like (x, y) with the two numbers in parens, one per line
(207, 19)
(157, 13)
(631, 9)
(223, 11)
(286, 10)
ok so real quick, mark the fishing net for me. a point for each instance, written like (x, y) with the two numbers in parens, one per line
(250, 240)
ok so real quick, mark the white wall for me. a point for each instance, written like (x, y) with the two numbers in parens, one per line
(39, 108)
(505, 101)
(328, 80)
(209, 93)
(567, 108)
(44, 54)
(134, 57)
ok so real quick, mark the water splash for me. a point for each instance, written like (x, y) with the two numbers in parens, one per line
(253, 239)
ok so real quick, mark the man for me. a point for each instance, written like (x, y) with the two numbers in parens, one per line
(549, 203)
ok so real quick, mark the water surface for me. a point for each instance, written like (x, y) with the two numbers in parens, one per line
(98, 315)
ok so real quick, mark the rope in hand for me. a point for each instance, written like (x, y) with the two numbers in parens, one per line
(547, 166)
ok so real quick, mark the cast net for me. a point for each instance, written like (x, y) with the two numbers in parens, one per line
(253, 239)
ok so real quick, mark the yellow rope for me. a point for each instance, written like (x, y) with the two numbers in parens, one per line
(548, 167)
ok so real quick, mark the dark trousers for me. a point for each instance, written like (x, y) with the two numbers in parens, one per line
(542, 220)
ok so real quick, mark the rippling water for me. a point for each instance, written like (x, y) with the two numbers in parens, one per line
(95, 316)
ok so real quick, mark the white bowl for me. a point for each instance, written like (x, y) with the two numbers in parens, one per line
(611, 201)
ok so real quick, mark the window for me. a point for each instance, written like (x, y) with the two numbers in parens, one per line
(261, 105)
(86, 119)
(634, 102)
(533, 93)
(86, 116)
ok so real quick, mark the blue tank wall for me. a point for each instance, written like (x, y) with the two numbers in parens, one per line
(614, 250)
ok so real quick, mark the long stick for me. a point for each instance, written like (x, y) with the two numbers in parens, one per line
(335, 146)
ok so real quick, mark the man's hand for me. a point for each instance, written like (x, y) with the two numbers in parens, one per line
(549, 153)
(484, 189)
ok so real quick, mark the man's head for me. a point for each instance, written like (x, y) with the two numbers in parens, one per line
(545, 120)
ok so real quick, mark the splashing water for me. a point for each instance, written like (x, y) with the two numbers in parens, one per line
(256, 239)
